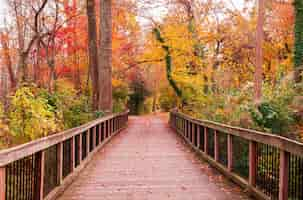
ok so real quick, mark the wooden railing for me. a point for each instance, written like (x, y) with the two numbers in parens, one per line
(43, 168)
(268, 166)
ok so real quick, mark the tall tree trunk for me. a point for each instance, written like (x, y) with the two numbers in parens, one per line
(93, 52)
(105, 55)
(259, 51)
(298, 58)
(8, 61)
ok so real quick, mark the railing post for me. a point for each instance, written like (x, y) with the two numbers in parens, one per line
(87, 142)
(185, 128)
(216, 144)
(230, 152)
(205, 141)
(94, 137)
(73, 153)
(2, 183)
(80, 148)
(284, 175)
(104, 130)
(100, 133)
(42, 171)
(198, 136)
(60, 162)
(188, 130)
(252, 163)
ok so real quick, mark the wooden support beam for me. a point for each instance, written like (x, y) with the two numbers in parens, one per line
(2, 183)
(216, 145)
(230, 152)
(205, 141)
(284, 175)
(252, 163)
(60, 162)
(42, 172)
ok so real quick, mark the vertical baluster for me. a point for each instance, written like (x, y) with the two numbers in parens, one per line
(193, 133)
(87, 141)
(41, 177)
(252, 163)
(100, 133)
(205, 141)
(80, 148)
(94, 137)
(106, 128)
(216, 145)
(110, 127)
(284, 175)
(2, 183)
(230, 152)
(60, 162)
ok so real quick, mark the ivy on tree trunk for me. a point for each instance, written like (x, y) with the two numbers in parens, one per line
(168, 60)
(298, 57)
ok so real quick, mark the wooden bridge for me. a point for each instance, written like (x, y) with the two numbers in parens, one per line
(117, 157)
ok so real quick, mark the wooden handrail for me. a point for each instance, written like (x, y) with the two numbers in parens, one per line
(280, 142)
(12, 154)
(274, 163)
(42, 169)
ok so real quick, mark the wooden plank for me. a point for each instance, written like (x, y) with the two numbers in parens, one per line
(284, 175)
(2, 183)
(229, 152)
(252, 163)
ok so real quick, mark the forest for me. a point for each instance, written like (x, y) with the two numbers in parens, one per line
(67, 62)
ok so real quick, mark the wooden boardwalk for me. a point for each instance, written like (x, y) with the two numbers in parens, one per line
(148, 161)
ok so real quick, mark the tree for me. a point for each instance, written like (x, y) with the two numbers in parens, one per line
(93, 52)
(105, 56)
(298, 58)
(259, 51)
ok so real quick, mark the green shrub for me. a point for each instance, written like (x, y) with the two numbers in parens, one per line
(30, 115)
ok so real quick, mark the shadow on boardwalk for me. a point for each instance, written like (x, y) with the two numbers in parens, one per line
(148, 161)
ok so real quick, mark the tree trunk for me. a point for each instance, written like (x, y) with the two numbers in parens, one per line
(259, 51)
(298, 58)
(105, 55)
(8, 61)
(93, 52)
